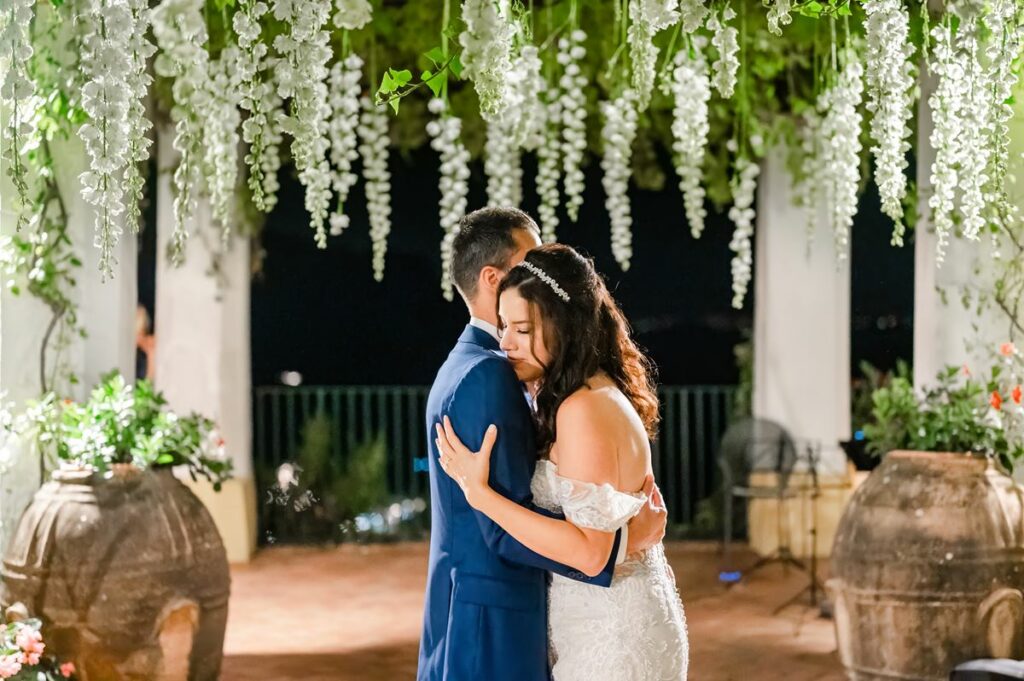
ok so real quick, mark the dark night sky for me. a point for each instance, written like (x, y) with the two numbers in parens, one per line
(322, 314)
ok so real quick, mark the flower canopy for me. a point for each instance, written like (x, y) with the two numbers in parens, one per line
(336, 83)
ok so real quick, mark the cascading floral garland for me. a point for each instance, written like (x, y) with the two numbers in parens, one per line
(305, 52)
(572, 105)
(180, 31)
(373, 147)
(345, 106)
(618, 133)
(445, 131)
(891, 77)
(690, 88)
(16, 89)
(233, 83)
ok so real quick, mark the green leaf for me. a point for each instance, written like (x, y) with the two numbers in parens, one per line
(394, 102)
(387, 83)
(435, 81)
(435, 55)
(165, 458)
(812, 9)
(401, 77)
(456, 66)
(844, 10)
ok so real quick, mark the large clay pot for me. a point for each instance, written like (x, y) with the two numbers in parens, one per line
(928, 568)
(128, 574)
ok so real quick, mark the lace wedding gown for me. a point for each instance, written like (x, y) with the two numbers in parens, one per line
(634, 630)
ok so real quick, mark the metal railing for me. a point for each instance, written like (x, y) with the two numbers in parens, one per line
(693, 420)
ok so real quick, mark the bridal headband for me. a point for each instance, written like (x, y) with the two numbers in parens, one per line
(546, 278)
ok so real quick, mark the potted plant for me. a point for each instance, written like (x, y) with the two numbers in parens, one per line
(927, 553)
(862, 407)
(121, 561)
(23, 655)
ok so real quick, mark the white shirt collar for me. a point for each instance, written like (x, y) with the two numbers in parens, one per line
(491, 329)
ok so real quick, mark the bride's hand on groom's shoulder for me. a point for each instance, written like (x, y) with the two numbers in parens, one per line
(469, 469)
(647, 528)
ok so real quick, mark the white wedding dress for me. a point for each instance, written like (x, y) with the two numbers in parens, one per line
(634, 630)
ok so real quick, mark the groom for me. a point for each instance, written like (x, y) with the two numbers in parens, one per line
(486, 603)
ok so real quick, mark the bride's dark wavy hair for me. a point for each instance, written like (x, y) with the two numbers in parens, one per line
(583, 336)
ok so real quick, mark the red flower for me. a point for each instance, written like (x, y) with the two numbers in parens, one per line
(67, 669)
(1016, 395)
(996, 401)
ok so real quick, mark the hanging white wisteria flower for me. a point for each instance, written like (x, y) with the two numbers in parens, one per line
(692, 14)
(947, 134)
(487, 53)
(806, 190)
(221, 137)
(778, 15)
(975, 140)
(445, 132)
(690, 88)
(839, 164)
(270, 135)
(140, 49)
(352, 15)
(725, 39)
(246, 24)
(1005, 42)
(107, 27)
(548, 168)
(180, 30)
(891, 77)
(744, 187)
(618, 133)
(302, 75)
(345, 90)
(503, 167)
(647, 17)
(524, 118)
(16, 89)
(573, 104)
(373, 147)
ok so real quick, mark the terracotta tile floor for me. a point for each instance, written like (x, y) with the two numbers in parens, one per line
(353, 614)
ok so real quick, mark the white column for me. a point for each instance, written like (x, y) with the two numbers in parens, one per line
(801, 362)
(106, 310)
(106, 306)
(202, 349)
(801, 322)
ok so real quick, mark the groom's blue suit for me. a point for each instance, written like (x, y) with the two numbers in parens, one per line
(486, 604)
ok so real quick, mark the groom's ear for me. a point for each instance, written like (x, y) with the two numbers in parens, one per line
(490, 277)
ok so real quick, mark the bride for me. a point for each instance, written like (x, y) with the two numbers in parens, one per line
(595, 409)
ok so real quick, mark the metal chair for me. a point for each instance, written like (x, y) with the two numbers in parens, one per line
(749, 446)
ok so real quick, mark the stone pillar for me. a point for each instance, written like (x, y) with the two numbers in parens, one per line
(202, 349)
(106, 309)
(801, 355)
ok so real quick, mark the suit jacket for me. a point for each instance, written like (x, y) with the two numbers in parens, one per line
(485, 615)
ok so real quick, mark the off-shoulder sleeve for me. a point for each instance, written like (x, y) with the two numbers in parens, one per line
(596, 507)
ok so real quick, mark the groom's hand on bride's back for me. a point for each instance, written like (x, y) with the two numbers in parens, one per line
(647, 528)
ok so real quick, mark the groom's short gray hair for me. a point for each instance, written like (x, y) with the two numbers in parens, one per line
(485, 237)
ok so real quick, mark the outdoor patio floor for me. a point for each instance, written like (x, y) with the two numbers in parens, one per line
(353, 613)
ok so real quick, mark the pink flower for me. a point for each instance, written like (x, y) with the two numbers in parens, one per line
(966, 370)
(1006, 349)
(31, 642)
(9, 666)
(67, 669)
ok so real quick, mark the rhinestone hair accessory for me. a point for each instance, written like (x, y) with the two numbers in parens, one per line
(546, 278)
